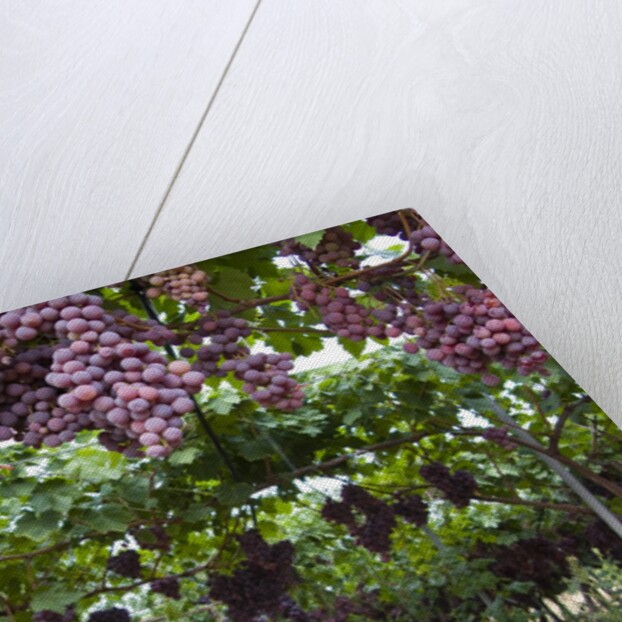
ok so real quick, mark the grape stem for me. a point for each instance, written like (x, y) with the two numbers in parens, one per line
(561, 421)
(573, 483)
(48, 549)
(562, 507)
(224, 296)
(329, 464)
(556, 455)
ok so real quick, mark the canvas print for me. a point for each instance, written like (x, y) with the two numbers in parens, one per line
(346, 426)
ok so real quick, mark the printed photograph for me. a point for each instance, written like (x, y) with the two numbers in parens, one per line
(345, 426)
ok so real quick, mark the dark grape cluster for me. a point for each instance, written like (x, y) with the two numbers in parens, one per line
(141, 397)
(600, 536)
(458, 488)
(114, 614)
(500, 436)
(476, 330)
(185, 284)
(412, 508)
(535, 560)
(370, 520)
(340, 512)
(126, 564)
(28, 405)
(47, 615)
(377, 518)
(336, 247)
(266, 379)
(167, 586)
(82, 367)
(258, 585)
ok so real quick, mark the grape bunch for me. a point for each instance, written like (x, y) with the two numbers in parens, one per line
(412, 508)
(469, 331)
(535, 560)
(114, 614)
(336, 247)
(377, 518)
(370, 520)
(375, 533)
(471, 335)
(131, 392)
(186, 284)
(258, 585)
(90, 369)
(500, 436)
(126, 564)
(340, 312)
(426, 240)
(47, 615)
(399, 319)
(600, 536)
(266, 380)
(458, 488)
(167, 586)
(218, 337)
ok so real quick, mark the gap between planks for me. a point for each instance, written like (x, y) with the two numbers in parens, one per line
(193, 138)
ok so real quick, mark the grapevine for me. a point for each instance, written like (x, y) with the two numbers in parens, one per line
(167, 586)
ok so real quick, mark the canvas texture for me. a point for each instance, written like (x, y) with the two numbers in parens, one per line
(340, 427)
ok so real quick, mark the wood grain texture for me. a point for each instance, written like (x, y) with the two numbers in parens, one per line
(500, 121)
(98, 102)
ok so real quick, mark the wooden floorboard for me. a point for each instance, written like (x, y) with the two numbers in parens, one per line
(98, 103)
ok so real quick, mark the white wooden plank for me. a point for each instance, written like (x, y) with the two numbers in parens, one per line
(98, 102)
(499, 120)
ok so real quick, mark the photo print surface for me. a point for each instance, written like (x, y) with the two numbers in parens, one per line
(341, 427)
